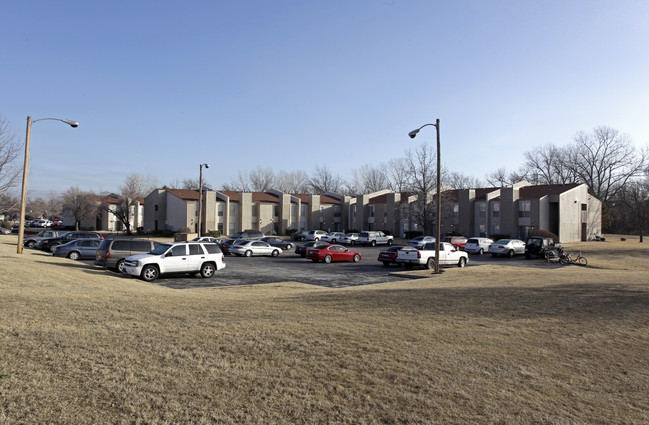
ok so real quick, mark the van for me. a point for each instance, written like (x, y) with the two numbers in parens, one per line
(112, 252)
(248, 235)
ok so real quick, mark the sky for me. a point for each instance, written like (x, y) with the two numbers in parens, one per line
(160, 87)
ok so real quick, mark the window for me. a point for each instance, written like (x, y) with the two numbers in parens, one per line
(220, 210)
(584, 207)
(370, 210)
(233, 210)
(220, 227)
(156, 207)
(178, 250)
(303, 210)
(336, 210)
(482, 209)
(276, 210)
(195, 249)
(140, 246)
(253, 210)
(495, 211)
(524, 208)
(232, 228)
(294, 212)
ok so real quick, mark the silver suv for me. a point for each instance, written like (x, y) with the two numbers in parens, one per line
(315, 235)
(177, 257)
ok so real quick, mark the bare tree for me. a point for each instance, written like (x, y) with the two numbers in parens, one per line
(501, 177)
(548, 165)
(292, 182)
(368, 179)
(80, 205)
(135, 186)
(606, 160)
(396, 174)
(9, 171)
(261, 179)
(459, 180)
(421, 167)
(322, 181)
(630, 209)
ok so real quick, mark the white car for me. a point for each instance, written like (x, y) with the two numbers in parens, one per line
(477, 245)
(349, 238)
(420, 241)
(315, 235)
(373, 238)
(508, 247)
(250, 248)
(176, 257)
(333, 237)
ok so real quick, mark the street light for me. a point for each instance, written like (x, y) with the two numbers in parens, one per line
(200, 197)
(21, 227)
(412, 135)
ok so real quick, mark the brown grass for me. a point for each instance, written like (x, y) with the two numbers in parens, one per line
(489, 344)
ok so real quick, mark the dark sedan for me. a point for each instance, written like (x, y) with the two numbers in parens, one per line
(226, 244)
(301, 249)
(299, 235)
(278, 243)
(78, 249)
(389, 255)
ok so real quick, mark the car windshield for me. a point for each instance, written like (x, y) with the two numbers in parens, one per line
(161, 249)
(503, 241)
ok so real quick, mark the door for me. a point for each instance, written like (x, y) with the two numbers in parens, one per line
(196, 257)
(175, 259)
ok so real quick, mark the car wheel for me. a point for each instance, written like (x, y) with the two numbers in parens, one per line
(389, 242)
(119, 267)
(207, 270)
(74, 255)
(53, 247)
(430, 264)
(373, 243)
(357, 258)
(481, 251)
(333, 241)
(462, 262)
(275, 253)
(327, 259)
(289, 246)
(248, 253)
(386, 264)
(30, 244)
(149, 273)
(510, 254)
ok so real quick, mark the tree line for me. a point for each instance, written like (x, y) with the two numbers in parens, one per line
(606, 160)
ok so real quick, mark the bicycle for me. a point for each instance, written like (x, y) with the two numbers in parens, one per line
(577, 259)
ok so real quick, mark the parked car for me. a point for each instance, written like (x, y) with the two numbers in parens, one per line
(332, 237)
(332, 252)
(225, 245)
(508, 247)
(112, 252)
(57, 224)
(389, 255)
(255, 247)
(457, 241)
(538, 245)
(78, 249)
(279, 243)
(349, 238)
(300, 235)
(248, 235)
(4, 230)
(301, 249)
(420, 241)
(50, 244)
(30, 241)
(374, 238)
(176, 257)
(477, 245)
(208, 239)
(315, 235)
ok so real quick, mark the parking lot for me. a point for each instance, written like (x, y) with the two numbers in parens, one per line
(290, 267)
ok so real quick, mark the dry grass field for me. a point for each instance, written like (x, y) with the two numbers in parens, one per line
(492, 344)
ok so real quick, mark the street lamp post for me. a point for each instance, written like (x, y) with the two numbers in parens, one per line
(200, 197)
(21, 227)
(412, 135)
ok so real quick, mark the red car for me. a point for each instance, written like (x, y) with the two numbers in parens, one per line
(459, 242)
(331, 252)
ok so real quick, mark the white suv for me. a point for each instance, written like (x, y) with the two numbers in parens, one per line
(315, 235)
(177, 257)
(477, 245)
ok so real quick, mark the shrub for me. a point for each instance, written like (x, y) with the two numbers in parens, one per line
(184, 229)
(214, 233)
(289, 231)
(546, 234)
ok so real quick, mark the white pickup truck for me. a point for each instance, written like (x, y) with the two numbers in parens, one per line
(449, 256)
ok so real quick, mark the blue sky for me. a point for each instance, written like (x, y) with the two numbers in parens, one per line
(161, 86)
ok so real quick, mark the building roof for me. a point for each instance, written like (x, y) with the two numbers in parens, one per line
(536, 192)
(481, 193)
(185, 194)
